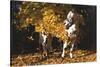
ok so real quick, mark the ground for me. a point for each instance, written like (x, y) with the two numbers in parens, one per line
(54, 58)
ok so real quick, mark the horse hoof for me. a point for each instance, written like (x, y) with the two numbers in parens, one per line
(62, 55)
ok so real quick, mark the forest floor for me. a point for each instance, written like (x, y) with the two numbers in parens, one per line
(54, 58)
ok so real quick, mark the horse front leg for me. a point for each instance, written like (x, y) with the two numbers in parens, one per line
(71, 50)
(64, 46)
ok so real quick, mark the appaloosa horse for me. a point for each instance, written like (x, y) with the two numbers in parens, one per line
(72, 27)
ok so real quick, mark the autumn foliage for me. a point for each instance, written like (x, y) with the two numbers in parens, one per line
(44, 16)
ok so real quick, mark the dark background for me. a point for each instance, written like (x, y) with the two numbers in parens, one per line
(19, 42)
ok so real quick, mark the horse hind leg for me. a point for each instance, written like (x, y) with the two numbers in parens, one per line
(44, 50)
(71, 49)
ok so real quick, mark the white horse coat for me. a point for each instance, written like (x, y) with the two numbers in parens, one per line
(70, 32)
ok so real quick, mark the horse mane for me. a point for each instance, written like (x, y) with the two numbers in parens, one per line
(78, 20)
